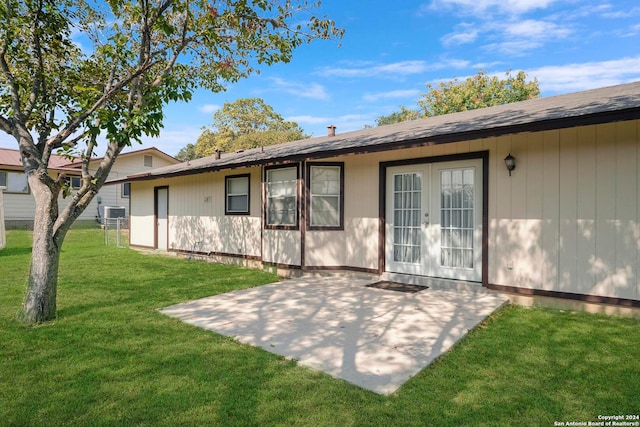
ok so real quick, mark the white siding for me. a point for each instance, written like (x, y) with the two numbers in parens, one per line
(142, 219)
(282, 247)
(357, 245)
(21, 207)
(197, 220)
(3, 240)
(127, 164)
(581, 230)
(567, 220)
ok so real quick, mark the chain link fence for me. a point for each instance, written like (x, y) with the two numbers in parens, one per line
(116, 232)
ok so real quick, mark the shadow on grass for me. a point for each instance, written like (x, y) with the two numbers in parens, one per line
(7, 252)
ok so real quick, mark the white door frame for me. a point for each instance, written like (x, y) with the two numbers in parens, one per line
(431, 169)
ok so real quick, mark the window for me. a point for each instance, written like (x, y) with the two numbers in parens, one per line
(75, 182)
(16, 182)
(326, 195)
(237, 195)
(126, 189)
(148, 161)
(282, 197)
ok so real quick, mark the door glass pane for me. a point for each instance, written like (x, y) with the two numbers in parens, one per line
(407, 232)
(457, 193)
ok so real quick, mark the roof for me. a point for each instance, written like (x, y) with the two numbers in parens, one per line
(594, 106)
(150, 150)
(10, 157)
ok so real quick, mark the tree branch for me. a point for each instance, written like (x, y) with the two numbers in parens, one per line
(6, 125)
(38, 81)
(15, 96)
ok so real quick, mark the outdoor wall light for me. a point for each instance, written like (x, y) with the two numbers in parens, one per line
(510, 163)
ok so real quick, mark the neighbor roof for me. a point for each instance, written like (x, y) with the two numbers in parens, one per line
(150, 150)
(10, 157)
(602, 105)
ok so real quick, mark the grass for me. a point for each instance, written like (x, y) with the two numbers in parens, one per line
(111, 359)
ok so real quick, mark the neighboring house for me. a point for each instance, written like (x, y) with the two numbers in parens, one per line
(20, 205)
(3, 238)
(427, 198)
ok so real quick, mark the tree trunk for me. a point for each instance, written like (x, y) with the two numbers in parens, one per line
(40, 300)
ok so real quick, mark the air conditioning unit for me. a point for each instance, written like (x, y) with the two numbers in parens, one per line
(111, 212)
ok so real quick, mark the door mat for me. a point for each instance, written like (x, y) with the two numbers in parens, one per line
(398, 287)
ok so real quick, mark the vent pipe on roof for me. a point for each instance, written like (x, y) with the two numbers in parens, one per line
(218, 153)
(331, 130)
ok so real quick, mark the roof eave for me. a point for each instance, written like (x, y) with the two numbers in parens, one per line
(446, 138)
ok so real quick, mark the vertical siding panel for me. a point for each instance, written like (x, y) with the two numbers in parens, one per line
(586, 210)
(625, 276)
(489, 144)
(535, 172)
(529, 268)
(567, 264)
(550, 209)
(605, 259)
(505, 244)
(462, 147)
(519, 178)
(476, 145)
(519, 262)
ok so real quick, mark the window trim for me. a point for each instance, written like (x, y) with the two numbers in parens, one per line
(70, 179)
(265, 206)
(226, 194)
(122, 192)
(6, 182)
(340, 226)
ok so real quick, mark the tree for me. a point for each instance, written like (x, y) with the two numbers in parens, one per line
(479, 91)
(404, 115)
(136, 56)
(188, 152)
(244, 124)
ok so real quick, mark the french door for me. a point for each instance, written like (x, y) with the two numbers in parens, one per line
(434, 219)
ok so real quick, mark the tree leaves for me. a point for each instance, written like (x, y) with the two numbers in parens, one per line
(479, 91)
(244, 124)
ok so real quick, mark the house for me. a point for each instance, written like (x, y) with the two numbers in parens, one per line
(428, 198)
(20, 205)
(3, 237)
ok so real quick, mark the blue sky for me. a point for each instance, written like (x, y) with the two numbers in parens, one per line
(391, 50)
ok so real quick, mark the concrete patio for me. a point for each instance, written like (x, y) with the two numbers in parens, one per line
(374, 338)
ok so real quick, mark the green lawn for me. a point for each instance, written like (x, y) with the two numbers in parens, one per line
(111, 359)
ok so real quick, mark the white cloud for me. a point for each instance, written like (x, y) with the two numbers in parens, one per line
(588, 75)
(616, 14)
(461, 37)
(368, 69)
(394, 94)
(305, 90)
(208, 108)
(312, 120)
(518, 37)
(171, 140)
(474, 7)
(535, 29)
(513, 48)
(343, 123)
(391, 70)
